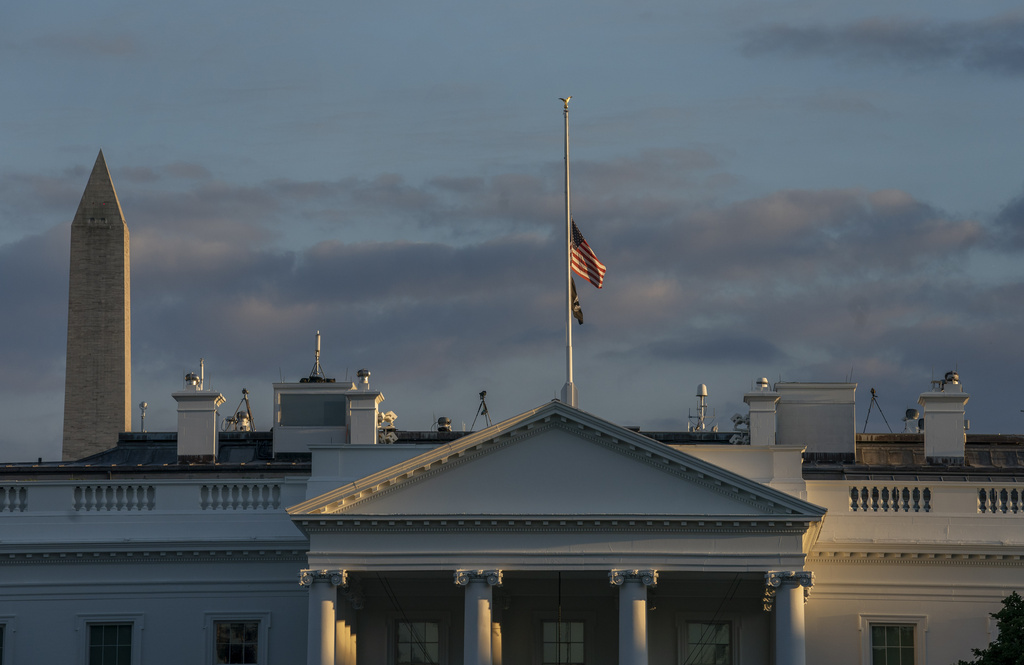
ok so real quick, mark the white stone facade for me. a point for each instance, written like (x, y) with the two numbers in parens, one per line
(552, 533)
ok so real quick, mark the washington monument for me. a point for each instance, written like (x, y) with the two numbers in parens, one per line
(98, 379)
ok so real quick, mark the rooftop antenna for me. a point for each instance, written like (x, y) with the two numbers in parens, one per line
(874, 402)
(482, 410)
(242, 421)
(317, 374)
(318, 371)
(702, 411)
(142, 408)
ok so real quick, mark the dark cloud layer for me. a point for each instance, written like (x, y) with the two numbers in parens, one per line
(796, 284)
(994, 45)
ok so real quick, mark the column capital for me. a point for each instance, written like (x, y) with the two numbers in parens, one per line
(645, 577)
(464, 577)
(335, 577)
(774, 579)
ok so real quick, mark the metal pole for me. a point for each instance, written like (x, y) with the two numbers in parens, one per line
(569, 394)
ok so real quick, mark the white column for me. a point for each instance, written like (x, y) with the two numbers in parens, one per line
(496, 612)
(477, 621)
(633, 613)
(785, 591)
(323, 595)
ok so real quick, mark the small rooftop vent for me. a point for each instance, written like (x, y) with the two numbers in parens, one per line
(444, 424)
(912, 422)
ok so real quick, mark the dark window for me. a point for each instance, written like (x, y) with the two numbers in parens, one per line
(236, 642)
(562, 643)
(417, 642)
(303, 410)
(708, 643)
(892, 644)
(110, 644)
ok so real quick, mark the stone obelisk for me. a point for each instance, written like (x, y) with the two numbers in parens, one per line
(98, 379)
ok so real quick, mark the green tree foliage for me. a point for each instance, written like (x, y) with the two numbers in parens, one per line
(1008, 647)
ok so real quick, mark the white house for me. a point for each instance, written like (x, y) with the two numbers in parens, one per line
(552, 537)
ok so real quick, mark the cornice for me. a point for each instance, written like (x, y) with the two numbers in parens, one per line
(156, 555)
(916, 558)
(337, 523)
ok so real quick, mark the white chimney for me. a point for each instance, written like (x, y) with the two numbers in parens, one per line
(197, 422)
(944, 432)
(762, 404)
(362, 411)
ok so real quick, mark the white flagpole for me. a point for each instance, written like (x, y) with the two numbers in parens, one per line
(569, 394)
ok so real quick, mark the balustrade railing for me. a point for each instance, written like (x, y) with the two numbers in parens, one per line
(1000, 500)
(114, 497)
(890, 499)
(240, 496)
(13, 499)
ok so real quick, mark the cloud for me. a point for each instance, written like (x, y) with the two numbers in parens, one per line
(456, 280)
(78, 44)
(717, 349)
(994, 45)
(1009, 225)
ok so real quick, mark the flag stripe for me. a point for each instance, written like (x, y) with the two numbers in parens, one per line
(584, 261)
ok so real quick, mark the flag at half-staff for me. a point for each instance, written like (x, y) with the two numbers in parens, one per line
(577, 310)
(584, 261)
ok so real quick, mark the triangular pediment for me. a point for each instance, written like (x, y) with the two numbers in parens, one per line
(556, 460)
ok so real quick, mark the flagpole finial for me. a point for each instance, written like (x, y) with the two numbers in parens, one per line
(566, 100)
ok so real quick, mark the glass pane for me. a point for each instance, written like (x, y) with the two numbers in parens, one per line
(430, 632)
(892, 644)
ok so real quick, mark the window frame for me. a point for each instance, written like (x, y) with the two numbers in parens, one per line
(211, 619)
(918, 621)
(84, 621)
(543, 642)
(736, 623)
(8, 624)
(684, 635)
(588, 619)
(442, 619)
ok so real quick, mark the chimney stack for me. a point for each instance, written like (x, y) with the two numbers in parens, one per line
(762, 404)
(197, 422)
(944, 431)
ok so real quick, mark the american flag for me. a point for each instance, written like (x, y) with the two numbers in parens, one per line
(584, 261)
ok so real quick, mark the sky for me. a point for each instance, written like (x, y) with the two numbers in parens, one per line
(804, 191)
